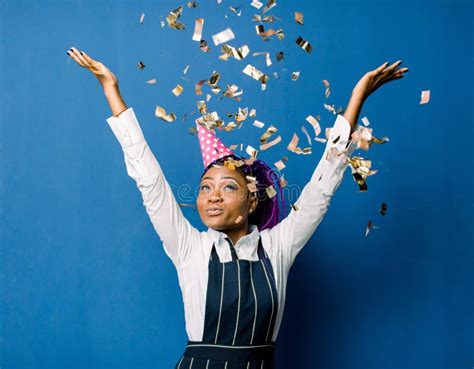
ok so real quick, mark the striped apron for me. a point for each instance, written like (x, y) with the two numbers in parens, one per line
(241, 309)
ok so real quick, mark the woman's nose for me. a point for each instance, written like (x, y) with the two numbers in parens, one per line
(215, 196)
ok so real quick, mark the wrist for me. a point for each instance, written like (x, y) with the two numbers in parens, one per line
(110, 88)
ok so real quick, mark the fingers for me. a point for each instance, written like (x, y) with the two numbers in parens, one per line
(87, 57)
(74, 53)
(389, 69)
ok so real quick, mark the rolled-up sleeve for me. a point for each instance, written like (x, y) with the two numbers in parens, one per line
(293, 232)
(174, 230)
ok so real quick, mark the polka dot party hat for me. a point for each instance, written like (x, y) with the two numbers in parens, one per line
(212, 147)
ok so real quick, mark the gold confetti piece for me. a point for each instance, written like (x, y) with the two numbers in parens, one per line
(213, 79)
(253, 72)
(266, 19)
(192, 4)
(252, 186)
(233, 147)
(295, 207)
(142, 18)
(270, 190)
(280, 56)
(224, 36)
(256, 4)
(192, 131)
(299, 17)
(330, 108)
(368, 228)
(229, 51)
(208, 97)
(253, 113)
(380, 140)
(328, 88)
(203, 45)
(235, 10)
(293, 146)
(230, 126)
(383, 209)
(295, 75)
(151, 81)
(270, 4)
(185, 70)
(178, 90)
(198, 25)
(314, 122)
(268, 61)
(239, 218)
(268, 133)
(280, 165)
(258, 124)
(198, 87)
(260, 29)
(283, 182)
(251, 151)
(305, 45)
(425, 97)
(173, 17)
(270, 144)
(141, 65)
(365, 121)
(161, 113)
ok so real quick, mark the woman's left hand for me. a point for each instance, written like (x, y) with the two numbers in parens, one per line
(373, 79)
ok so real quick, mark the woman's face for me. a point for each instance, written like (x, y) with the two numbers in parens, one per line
(223, 202)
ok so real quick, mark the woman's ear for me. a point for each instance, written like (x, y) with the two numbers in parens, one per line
(253, 203)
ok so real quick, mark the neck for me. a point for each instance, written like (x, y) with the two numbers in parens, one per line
(236, 234)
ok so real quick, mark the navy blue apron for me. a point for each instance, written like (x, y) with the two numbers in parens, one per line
(241, 309)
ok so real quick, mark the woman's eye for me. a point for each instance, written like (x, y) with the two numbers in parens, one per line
(204, 187)
(231, 187)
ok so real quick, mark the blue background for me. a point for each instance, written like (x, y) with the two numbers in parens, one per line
(84, 280)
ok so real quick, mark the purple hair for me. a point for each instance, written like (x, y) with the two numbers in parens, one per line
(269, 211)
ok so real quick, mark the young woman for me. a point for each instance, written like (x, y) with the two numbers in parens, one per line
(233, 276)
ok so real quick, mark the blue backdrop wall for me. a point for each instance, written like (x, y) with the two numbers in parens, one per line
(84, 280)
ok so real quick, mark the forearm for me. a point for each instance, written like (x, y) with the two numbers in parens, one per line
(353, 110)
(116, 103)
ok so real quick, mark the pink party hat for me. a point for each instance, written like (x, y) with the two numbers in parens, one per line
(212, 147)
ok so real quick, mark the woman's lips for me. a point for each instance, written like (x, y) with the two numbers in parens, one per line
(214, 211)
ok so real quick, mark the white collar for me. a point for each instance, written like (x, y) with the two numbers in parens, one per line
(249, 240)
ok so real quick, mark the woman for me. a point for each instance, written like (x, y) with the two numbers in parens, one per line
(233, 276)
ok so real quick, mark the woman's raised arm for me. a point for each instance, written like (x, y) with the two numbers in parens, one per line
(291, 234)
(175, 231)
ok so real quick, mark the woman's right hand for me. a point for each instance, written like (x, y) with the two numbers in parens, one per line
(105, 77)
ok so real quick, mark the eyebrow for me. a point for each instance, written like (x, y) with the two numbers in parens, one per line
(225, 177)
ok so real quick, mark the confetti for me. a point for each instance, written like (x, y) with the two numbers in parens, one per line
(192, 4)
(253, 113)
(142, 18)
(299, 17)
(266, 19)
(330, 108)
(198, 25)
(270, 4)
(258, 124)
(267, 145)
(178, 90)
(305, 45)
(295, 76)
(151, 81)
(161, 113)
(141, 65)
(280, 165)
(268, 61)
(251, 151)
(270, 190)
(198, 87)
(368, 228)
(260, 29)
(293, 146)
(204, 46)
(232, 92)
(383, 209)
(229, 51)
(185, 70)
(253, 72)
(268, 133)
(294, 207)
(183, 204)
(235, 10)
(314, 122)
(224, 36)
(365, 121)
(425, 97)
(256, 4)
(239, 218)
(280, 56)
(303, 129)
(172, 19)
(328, 88)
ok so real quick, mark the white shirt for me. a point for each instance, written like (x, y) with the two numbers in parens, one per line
(189, 249)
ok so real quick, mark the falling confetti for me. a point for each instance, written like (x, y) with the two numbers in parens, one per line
(383, 209)
(299, 17)
(365, 121)
(425, 97)
(295, 76)
(327, 92)
(178, 90)
(224, 36)
(142, 18)
(151, 81)
(198, 25)
(141, 65)
(161, 113)
(172, 19)
(305, 45)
